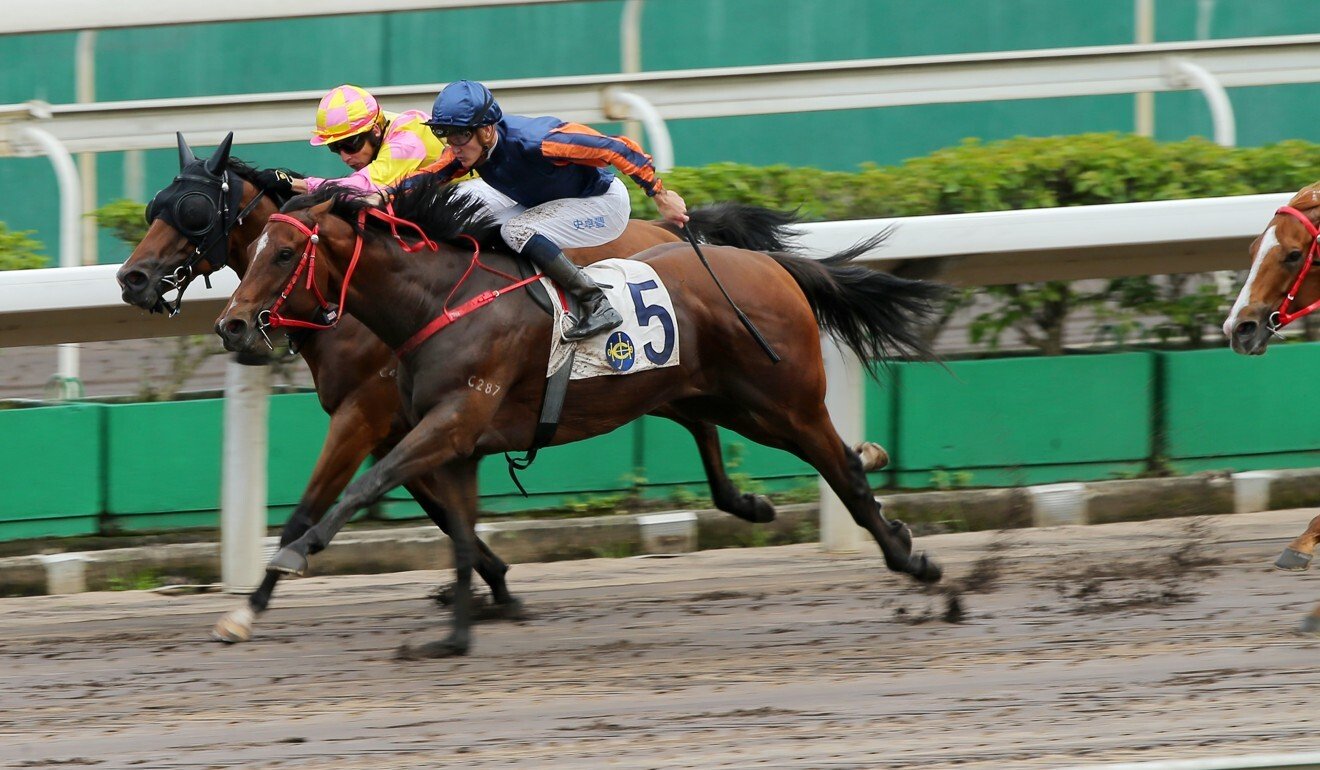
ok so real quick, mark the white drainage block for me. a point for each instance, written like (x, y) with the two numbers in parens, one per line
(1251, 490)
(66, 573)
(668, 532)
(1055, 504)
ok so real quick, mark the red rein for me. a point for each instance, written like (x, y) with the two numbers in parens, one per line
(1283, 316)
(272, 319)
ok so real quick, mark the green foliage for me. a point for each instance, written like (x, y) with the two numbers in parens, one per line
(1021, 173)
(18, 251)
(125, 217)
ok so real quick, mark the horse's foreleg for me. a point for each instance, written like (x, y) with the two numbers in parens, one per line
(347, 443)
(438, 440)
(1297, 555)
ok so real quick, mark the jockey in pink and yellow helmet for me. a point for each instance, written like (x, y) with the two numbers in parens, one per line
(381, 147)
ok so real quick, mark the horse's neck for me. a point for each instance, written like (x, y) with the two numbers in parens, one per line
(395, 293)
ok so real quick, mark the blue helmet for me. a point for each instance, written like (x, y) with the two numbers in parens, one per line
(465, 104)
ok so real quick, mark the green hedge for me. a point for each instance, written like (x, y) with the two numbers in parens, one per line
(1013, 174)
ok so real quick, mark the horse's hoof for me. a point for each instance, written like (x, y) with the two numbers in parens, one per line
(759, 509)
(1293, 560)
(874, 457)
(444, 595)
(447, 648)
(288, 561)
(234, 627)
(1310, 625)
(511, 609)
(924, 570)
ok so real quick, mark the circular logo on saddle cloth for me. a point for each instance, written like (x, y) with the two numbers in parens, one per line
(620, 352)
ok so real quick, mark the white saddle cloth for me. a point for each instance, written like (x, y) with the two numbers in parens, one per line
(648, 338)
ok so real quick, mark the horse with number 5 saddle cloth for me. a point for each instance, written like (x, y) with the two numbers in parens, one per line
(457, 316)
(208, 217)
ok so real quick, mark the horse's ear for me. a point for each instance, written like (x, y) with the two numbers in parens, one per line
(220, 159)
(185, 152)
(1306, 198)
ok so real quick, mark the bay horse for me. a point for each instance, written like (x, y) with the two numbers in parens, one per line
(1282, 286)
(211, 213)
(722, 378)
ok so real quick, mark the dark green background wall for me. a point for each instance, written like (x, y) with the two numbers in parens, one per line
(83, 468)
(583, 38)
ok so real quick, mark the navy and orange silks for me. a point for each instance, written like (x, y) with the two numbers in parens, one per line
(536, 160)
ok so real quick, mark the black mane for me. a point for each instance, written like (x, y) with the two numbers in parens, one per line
(438, 207)
(248, 173)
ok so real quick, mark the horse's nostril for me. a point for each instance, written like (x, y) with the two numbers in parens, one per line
(1246, 329)
(134, 279)
(235, 327)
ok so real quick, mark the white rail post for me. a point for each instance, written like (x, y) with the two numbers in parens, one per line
(843, 397)
(65, 382)
(243, 476)
(657, 132)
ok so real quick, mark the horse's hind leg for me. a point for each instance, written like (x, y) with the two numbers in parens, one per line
(1296, 555)
(723, 492)
(814, 439)
(427, 491)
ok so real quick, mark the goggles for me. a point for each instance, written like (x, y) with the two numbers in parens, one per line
(350, 145)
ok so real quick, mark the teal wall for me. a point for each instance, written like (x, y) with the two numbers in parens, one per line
(583, 38)
(85, 468)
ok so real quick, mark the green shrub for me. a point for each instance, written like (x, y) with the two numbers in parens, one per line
(18, 251)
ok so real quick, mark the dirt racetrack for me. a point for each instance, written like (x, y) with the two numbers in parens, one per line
(1157, 640)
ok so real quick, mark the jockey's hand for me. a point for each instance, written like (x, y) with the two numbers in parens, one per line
(299, 186)
(672, 207)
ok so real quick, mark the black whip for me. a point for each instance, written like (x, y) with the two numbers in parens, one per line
(747, 322)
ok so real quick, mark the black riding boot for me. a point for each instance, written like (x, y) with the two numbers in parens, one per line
(598, 315)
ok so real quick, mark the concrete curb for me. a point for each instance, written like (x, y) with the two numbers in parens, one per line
(415, 548)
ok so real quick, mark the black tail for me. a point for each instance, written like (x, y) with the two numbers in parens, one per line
(878, 315)
(741, 225)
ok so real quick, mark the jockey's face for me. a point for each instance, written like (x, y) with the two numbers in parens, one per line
(363, 155)
(473, 151)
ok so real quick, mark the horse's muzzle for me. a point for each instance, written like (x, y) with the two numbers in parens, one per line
(1250, 338)
(138, 288)
(237, 334)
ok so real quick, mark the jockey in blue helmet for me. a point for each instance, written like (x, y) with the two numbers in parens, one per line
(545, 181)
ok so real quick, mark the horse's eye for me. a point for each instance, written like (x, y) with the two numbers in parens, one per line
(1293, 256)
(194, 213)
(283, 256)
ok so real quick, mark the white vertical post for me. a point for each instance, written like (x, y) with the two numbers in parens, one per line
(843, 373)
(66, 382)
(1145, 34)
(243, 476)
(630, 50)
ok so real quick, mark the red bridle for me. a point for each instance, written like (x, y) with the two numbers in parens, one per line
(271, 319)
(1283, 316)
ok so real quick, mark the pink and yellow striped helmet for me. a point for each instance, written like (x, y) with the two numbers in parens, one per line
(344, 112)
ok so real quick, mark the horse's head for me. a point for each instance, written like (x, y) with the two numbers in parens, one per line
(191, 224)
(1282, 286)
(291, 271)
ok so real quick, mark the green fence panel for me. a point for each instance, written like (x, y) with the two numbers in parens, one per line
(1226, 411)
(1024, 420)
(586, 472)
(163, 464)
(298, 427)
(51, 484)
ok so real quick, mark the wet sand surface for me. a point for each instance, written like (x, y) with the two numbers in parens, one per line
(1154, 640)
